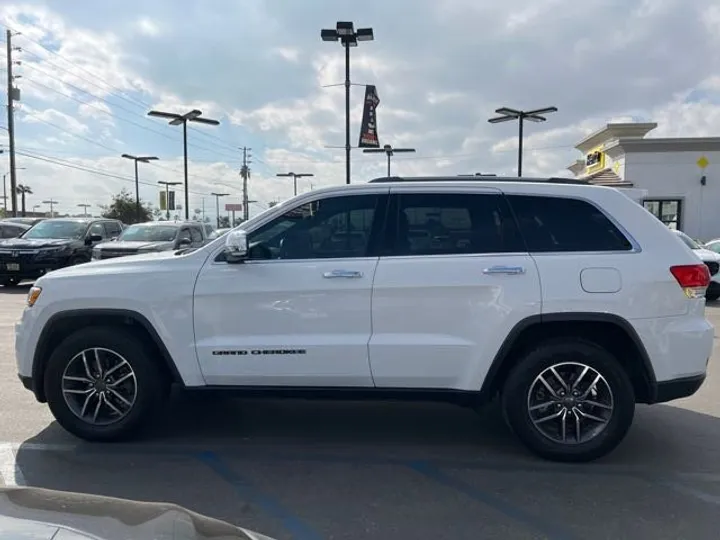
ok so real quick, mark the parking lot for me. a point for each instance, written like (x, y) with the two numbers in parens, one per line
(294, 469)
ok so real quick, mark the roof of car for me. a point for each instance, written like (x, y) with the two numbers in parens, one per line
(478, 178)
(167, 223)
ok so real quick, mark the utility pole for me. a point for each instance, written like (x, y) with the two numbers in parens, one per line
(217, 206)
(245, 173)
(13, 94)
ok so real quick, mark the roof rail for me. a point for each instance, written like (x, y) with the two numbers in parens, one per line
(461, 178)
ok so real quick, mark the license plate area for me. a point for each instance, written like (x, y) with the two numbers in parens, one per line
(12, 267)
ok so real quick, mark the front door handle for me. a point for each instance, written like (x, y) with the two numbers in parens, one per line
(343, 274)
(508, 270)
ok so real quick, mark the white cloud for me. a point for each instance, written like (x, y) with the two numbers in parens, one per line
(288, 53)
(148, 27)
(53, 116)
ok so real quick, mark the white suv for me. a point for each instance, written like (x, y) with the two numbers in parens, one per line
(570, 301)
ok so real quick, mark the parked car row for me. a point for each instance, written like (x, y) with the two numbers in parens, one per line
(28, 252)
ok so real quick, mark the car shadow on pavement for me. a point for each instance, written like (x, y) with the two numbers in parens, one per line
(23, 288)
(252, 462)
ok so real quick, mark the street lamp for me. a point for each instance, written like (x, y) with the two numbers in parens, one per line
(294, 176)
(176, 120)
(507, 114)
(5, 195)
(345, 33)
(52, 204)
(217, 205)
(389, 150)
(167, 195)
(84, 207)
(144, 159)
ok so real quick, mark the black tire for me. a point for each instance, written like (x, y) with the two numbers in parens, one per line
(10, 282)
(516, 405)
(711, 297)
(150, 383)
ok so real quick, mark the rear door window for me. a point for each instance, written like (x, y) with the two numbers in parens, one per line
(558, 224)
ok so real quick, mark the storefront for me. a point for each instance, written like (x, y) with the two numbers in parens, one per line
(676, 179)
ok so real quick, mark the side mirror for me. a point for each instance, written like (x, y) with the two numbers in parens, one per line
(184, 242)
(236, 246)
(93, 238)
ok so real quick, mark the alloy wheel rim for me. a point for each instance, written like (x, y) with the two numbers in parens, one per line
(570, 403)
(99, 386)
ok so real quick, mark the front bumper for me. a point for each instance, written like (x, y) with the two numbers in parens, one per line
(30, 269)
(678, 388)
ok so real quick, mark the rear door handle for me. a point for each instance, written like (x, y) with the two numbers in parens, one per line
(508, 270)
(343, 274)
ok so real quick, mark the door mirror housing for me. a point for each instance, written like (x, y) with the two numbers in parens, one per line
(93, 238)
(184, 242)
(236, 246)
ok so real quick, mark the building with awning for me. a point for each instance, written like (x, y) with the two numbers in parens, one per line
(676, 179)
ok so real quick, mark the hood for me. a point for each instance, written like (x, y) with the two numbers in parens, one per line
(43, 514)
(707, 255)
(134, 245)
(23, 243)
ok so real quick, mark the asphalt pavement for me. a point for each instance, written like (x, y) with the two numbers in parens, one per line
(329, 470)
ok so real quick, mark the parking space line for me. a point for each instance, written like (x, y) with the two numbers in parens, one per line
(537, 524)
(293, 524)
(9, 469)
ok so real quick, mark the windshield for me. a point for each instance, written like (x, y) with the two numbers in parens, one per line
(689, 242)
(149, 233)
(57, 230)
(713, 246)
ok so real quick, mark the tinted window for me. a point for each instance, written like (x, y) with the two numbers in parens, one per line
(442, 224)
(8, 231)
(112, 229)
(558, 224)
(330, 228)
(184, 234)
(196, 235)
(97, 229)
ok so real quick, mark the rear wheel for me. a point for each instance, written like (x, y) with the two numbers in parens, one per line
(102, 384)
(569, 400)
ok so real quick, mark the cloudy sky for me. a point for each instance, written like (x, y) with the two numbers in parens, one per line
(91, 70)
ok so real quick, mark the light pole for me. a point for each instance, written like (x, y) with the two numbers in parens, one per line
(52, 204)
(84, 207)
(345, 33)
(144, 159)
(176, 120)
(507, 114)
(217, 205)
(294, 176)
(389, 150)
(5, 195)
(167, 195)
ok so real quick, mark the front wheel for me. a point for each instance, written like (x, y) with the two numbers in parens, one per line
(102, 384)
(569, 400)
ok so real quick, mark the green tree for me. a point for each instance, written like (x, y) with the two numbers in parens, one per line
(123, 208)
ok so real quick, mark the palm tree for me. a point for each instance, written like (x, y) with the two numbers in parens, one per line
(22, 191)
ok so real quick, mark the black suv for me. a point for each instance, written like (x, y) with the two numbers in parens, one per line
(52, 244)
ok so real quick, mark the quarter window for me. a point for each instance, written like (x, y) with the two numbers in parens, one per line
(337, 227)
(444, 224)
(556, 224)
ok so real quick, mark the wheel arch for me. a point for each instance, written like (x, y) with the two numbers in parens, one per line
(605, 329)
(64, 323)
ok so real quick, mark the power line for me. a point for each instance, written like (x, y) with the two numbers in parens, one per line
(91, 170)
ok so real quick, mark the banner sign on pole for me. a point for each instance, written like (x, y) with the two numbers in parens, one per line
(163, 202)
(368, 128)
(233, 207)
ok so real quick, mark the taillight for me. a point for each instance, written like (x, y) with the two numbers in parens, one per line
(693, 278)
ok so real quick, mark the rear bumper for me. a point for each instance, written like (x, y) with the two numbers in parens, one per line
(678, 388)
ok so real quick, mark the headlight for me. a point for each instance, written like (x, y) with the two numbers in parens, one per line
(33, 295)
